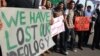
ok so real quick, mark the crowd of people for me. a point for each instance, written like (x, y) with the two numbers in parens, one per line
(62, 43)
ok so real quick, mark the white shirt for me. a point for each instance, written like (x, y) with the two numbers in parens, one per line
(70, 17)
(89, 14)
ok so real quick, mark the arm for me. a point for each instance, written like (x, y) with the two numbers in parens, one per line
(51, 21)
(65, 18)
(0, 3)
(3, 3)
(44, 2)
(77, 3)
(1, 24)
(66, 21)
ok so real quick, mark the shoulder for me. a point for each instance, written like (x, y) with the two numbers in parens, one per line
(66, 11)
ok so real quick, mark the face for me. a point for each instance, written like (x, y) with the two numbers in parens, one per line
(98, 6)
(49, 4)
(82, 8)
(72, 5)
(61, 6)
(88, 8)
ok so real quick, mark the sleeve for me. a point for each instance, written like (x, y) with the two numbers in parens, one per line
(66, 12)
(11, 3)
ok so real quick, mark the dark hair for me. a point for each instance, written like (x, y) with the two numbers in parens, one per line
(71, 2)
(60, 3)
(79, 6)
(68, 5)
(57, 8)
(98, 5)
(88, 6)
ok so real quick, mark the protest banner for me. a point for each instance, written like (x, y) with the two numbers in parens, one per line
(58, 26)
(82, 23)
(25, 32)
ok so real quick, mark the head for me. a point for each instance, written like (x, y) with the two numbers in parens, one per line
(80, 7)
(61, 5)
(48, 4)
(71, 5)
(89, 8)
(98, 6)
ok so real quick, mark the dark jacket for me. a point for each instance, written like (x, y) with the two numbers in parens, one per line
(97, 22)
(23, 3)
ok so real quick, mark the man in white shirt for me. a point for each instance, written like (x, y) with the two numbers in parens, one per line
(88, 13)
(69, 24)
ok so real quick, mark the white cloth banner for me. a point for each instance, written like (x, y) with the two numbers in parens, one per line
(58, 26)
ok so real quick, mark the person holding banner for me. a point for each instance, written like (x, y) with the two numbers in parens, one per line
(69, 23)
(79, 13)
(89, 14)
(96, 39)
(48, 5)
(59, 39)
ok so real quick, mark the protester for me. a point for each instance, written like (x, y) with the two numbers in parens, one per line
(59, 39)
(96, 39)
(79, 12)
(89, 14)
(58, 10)
(69, 20)
(48, 5)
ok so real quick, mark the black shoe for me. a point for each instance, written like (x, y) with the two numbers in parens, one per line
(92, 48)
(85, 45)
(64, 53)
(80, 48)
(98, 47)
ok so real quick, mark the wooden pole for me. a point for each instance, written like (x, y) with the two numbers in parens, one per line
(85, 4)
